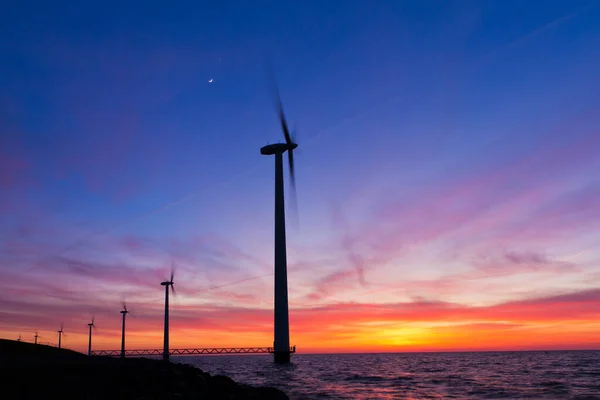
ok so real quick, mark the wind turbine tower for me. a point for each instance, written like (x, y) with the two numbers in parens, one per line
(166, 284)
(35, 337)
(60, 332)
(281, 344)
(91, 325)
(123, 313)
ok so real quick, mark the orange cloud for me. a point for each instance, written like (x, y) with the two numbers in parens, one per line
(560, 321)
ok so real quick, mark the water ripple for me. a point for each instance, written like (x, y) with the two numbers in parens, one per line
(501, 375)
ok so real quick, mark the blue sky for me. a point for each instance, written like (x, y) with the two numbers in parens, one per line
(432, 135)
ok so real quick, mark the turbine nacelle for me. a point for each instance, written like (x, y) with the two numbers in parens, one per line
(277, 148)
(170, 281)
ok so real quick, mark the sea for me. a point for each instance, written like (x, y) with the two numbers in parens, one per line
(473, 375)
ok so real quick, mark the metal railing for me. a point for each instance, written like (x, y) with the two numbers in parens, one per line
(189, 352)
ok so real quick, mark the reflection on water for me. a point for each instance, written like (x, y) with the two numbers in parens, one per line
(511, 375)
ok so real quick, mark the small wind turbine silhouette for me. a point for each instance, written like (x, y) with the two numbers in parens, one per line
(123, 312)
(90, 325)
(35, 337)
(60, 332)
(19, 339)
(166, 284)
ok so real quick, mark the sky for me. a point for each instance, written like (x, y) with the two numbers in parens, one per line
(447, 173)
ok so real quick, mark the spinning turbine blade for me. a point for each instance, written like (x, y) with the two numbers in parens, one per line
(275, 93)
(294, 195)
(284, 127)
(290, 141)
(291, 163)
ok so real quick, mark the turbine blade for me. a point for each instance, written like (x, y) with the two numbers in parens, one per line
(173, 290)
(284, 126)
(286, 133)
(294, 196)
(291, 164)
(292, 171)
(275, 93)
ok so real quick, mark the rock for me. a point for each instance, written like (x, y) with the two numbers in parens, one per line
(37, 371)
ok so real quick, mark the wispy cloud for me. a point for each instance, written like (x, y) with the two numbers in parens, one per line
(529, 315)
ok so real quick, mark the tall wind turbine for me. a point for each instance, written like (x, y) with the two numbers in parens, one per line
(281, 344)
(166, 284)
(123, 313)
(35, 337)
(90, 325)
(60, 332)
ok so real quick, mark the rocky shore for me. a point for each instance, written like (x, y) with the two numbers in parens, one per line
(31, 371)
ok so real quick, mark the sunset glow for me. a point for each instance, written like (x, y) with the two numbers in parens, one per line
(448, 183)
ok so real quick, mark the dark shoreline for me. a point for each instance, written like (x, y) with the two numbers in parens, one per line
(30, 371)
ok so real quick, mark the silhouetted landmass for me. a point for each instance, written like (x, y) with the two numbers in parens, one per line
(30, 371)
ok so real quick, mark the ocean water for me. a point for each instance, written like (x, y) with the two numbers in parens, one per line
(489, 375)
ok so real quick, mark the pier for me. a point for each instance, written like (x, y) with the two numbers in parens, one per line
(189, 352)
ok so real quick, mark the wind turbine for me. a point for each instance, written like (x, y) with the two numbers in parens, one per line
(166, 284)
(91, 325)
(123, 312)
(19, 339)
(60, 332)
(35, 337)
(281, 344)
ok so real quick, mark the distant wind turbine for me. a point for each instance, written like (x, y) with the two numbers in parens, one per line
(123, 312)
(166, 284)
(19, 339)
(90, 325)
(60, 333)
(35, 337)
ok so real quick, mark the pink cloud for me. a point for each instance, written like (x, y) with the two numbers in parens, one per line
(528, 201)
(336, 319)
(512, 262)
